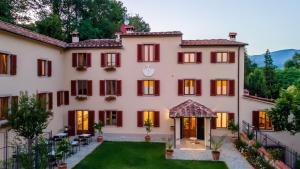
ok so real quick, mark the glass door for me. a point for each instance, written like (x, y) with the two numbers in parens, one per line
(82, 119)
(189, 127)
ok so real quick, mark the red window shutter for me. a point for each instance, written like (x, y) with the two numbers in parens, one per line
(74, 59)
(119, 119)
(231, 87)
(91, 122)
(39, 67)
(103, 60)
(156, 87)
(58, 98)
(213, 123)
(213, 57)
(89, 87)
(119, 88)
(89, 59)
(49, 71)
(140, 53)
(198, 57)
(140, 90)
(198, 87)
(180, 58)
(255, 119)
(180, 87)
(213, 91)
(73, 88)
(71, 123)
(102, 87)
(101, 117)
(140, 118)
(66, 97)
(231, 57)
(157, 53)
(156, 119)
(230, 117)
(50, 101)
(118, 60)
(13, 64)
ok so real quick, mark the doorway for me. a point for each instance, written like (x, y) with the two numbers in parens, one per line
(189, 127)
(82, 121)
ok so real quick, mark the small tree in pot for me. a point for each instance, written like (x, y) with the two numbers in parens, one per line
(148, 125)
(234, 128)
(216, 144)
(62, 149)
(169, 148)
(98, 127)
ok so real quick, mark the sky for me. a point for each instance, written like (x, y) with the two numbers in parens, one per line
(263, 24)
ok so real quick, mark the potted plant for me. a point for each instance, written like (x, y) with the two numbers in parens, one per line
(148, 126)
(98, 127)
(169, 148)
(234, 128)
(62, 149)
(81, 97)
(110, 98)
(81, 68)
(110, 69)
(250, 136)
(216, 144)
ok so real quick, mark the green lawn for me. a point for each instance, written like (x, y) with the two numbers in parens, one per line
(130, 155)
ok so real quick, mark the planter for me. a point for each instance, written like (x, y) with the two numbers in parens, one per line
(62, 166)
(100, 139)
(169, 153)
(81, 98)
(215, 155)
(279, 164)
(110, 98)
(264, 152)
(110, 69)
(81, 68)
(147, 138)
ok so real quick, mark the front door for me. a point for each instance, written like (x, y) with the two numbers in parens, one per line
(189, 127)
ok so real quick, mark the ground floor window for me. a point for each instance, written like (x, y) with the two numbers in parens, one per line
(222, 120)
(149, 115)
(264, 121)
(3, 108)
(111, 118)
(82, 120)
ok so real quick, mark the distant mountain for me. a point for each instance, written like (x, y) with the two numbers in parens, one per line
(279, 57)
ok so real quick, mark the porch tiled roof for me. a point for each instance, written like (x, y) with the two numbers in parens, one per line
(212, 42)
(191, 108)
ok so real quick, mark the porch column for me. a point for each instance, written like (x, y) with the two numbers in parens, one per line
(207, 132)
(177, 131)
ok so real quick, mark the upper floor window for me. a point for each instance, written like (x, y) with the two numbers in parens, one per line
(81, 88)
(148, 87)
(189, 87)
(189, 57)
(148, 53)
(62, 98)
(222, 57)
(222, 87)
(4, 107)
(110, 60)
(46, 99)
(81, 60)
(110, 87)
(8, 64)
(44, 67)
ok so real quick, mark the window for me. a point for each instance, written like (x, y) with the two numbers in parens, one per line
(82, 59)
(3, 63)
(148, 87)
(4, 107)
(111, 118)
(222, 57)
(264, 121)
(222, 120)
(8, 64)
(82, 120)
(111, 59)
(222, 87)
(82, 87)
(110, 87)
(189, 58)
(148, 53)
(189, 87)
(62, 98)
(149, 115)
(44, 67)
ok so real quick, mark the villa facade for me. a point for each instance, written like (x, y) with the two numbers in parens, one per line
(186, 88)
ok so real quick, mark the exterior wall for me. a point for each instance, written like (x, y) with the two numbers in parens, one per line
(28, 51)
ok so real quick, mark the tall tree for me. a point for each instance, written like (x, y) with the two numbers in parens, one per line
(51, 26)
(256, 83)
(270, 75)
(294, 62)
(139, 24)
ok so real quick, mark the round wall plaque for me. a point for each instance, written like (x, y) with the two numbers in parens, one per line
(148, 71)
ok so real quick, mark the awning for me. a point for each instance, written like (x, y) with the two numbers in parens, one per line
(191, 108)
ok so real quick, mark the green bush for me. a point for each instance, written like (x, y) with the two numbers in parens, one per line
(276, 153)
(298, 162)
(250, 135)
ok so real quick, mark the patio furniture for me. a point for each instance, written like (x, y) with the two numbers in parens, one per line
(74, 146)
(193, 140)
(87, 137)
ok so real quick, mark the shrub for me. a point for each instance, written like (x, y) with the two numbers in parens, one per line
(240, 145)
(250, 135)
(276, 153)
(257, 145)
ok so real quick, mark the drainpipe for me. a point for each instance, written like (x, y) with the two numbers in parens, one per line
(238, 92)
(174, 132)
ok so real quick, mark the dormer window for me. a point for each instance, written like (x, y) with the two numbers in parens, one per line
(81, 60)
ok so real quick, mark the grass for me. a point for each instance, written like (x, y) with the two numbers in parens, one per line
(131, 155)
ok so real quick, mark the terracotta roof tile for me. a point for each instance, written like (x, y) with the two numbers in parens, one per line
(30, 34)
(211, 42)
(170, 33)
(96, 43)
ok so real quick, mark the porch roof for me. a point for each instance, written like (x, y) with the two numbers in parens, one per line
(191, 108)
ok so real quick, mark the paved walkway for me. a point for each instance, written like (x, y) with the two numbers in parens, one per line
(229, 155)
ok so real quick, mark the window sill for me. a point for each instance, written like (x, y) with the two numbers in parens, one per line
(81, 68)
(81, 97)
(110, 98)
(110, 69)
(6, 75)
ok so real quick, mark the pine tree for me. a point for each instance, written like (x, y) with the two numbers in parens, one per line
(270, 75)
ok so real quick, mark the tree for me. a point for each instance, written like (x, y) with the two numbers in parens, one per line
(139, 24)
(256, 83)
(270, 75)
(294, 62)
(51, 26)
(287, 77)
(6, 11)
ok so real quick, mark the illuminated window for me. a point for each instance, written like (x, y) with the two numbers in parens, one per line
(82, 59)
(148, 53)
(189, 58)
(111, 59)
(82, 87)
(222, 87)
(148, 87)
(3, 63)
(82, 120)
(111, 118)
(222, 120)
(110, 87)
(149, 115)
(4, 107)
(189, 87)
(264, 121)
(222, 57)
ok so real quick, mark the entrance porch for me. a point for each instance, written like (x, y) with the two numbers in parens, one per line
(192, 125)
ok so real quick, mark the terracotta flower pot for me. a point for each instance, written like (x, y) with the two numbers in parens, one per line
(216, 155)
(62, 166)
(147, 138)
(100, 139)
(169, 152)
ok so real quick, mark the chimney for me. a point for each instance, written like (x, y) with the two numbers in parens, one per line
(75, 36)
(118, 36)
(232, 36)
